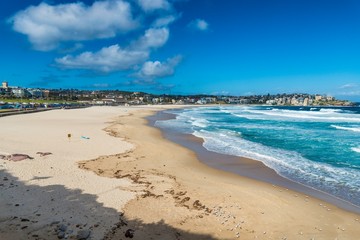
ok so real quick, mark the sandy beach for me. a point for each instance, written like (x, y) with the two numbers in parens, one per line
(47, 192)
(117, 176)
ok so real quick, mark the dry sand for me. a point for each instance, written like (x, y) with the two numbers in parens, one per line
(152, 186)
(52, 189)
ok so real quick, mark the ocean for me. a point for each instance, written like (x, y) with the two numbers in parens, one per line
(315, 146)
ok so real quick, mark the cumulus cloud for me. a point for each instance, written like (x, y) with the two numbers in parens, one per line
(158, 69)
(115, 58)
(65, 27)
(164, 21)
(108, 59)
(199, 24)
(152, 5)
(153, 38)
(46, 25)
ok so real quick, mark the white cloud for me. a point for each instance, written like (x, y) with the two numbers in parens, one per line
(152, 5)
(46, 25)
(349, 85)
(64, 27)
(115, 58)
(153, 38)
(199, 24)
(164, 21)
(157, 69)
(108, 59)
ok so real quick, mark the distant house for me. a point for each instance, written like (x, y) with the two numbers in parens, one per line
(36, 93)
(108, 101)
(233, 100)
(46, 93)
(20, 92)
(330, 98)
(318, 98)
(201, 101)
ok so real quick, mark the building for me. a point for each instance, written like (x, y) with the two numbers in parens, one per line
(233, 100)
(46, 93)
(330, 98)
(294, 101)
(5, 90)
(306, 102)
(36, 93)
(318, 98)
(20, 92)
(5, 85)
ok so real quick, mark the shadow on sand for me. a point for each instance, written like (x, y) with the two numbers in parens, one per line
(29, 211)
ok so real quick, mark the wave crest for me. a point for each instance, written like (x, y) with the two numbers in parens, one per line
(353, 129)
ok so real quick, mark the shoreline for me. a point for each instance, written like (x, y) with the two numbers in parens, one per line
(187, 197)
(243, 166)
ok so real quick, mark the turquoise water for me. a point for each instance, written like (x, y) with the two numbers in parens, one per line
(315, 146)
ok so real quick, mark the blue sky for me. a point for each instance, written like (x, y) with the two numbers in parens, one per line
(237, 47)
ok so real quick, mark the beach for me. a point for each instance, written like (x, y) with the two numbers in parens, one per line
(116, 175)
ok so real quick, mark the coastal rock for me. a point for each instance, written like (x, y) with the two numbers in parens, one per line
(83, 234)
(62, 228)
(129, 233)
(61, 235)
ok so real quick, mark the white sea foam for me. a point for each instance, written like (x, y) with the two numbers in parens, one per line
(286, 163)
(353, 129)
(356, 149)
(202, 123)
(330, 110)
(328, 115)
